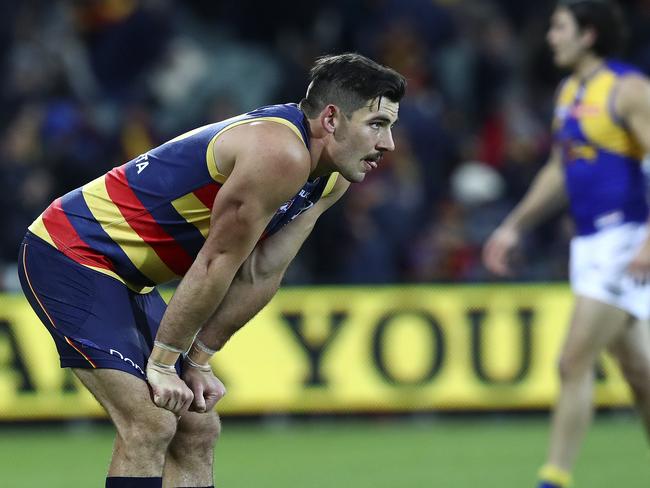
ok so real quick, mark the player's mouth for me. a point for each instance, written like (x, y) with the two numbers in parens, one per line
(370, 162)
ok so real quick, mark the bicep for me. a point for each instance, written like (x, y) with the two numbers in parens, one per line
(266, 173)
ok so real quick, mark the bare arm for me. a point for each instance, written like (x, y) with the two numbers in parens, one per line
(255, 284)
(260, 276)
(546, 195)
(270, 166)
(633, 106)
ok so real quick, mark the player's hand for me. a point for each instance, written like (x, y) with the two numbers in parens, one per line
(639, 267)
(168, 390)
(205, 386)
(498, 250)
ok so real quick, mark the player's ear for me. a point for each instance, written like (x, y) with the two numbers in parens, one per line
(329, 118)
(589, 36)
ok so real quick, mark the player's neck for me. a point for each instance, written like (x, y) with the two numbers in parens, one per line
(587, 66)
(319, 166)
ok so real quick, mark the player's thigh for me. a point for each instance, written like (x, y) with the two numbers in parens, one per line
(594, 326)
(127, 400)
(632, 350)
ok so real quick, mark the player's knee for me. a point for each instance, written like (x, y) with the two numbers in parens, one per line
(149, 432)
(197, 435)
(573, 366)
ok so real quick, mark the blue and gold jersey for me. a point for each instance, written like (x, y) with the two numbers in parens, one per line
(602, 159)
(145, 221)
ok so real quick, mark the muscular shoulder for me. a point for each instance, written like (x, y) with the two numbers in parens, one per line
(633, 93)
(268, 143)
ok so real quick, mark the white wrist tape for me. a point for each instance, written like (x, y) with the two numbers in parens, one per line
(167, 347)
(206, 368)
(161, 368)
(199, 345)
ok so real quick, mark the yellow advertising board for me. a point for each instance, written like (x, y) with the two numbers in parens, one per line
(348, 350)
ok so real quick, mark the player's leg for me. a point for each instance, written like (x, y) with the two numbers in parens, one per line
(632, 351)
(189, 456)
(594, 325)
(99, 333)
(143, 430)
(191, 452)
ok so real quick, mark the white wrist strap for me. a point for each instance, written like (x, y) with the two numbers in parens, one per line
(161, 368)
(167, 347)
(206, 368)
(199, 345)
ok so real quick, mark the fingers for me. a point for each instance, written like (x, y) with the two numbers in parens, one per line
(495, 258)
(174, 396)
(206, 399)
(175, 401)
(213, 397)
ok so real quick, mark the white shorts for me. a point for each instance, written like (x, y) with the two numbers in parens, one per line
(598, 268)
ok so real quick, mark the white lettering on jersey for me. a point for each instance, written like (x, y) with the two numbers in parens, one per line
(142, 162)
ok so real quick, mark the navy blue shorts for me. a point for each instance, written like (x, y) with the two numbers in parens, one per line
(95, 320)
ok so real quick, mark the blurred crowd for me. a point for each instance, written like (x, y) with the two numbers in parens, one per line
(90, 84)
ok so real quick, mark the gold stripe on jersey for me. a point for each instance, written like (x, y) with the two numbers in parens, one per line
(565, 98)
(192, 209)
(331, 181)
(599, 127)
(106, 213)
(38, 229)
(602, 129)
(209, 156)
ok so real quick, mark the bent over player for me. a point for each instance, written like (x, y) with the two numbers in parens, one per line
(224, 207)
(601, 131)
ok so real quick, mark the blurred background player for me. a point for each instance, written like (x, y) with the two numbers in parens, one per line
(224, 208)
(601, 131)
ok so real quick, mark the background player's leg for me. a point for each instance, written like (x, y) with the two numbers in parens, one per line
(143, 430)
(191, 452)
(632, 350)
(594, 325)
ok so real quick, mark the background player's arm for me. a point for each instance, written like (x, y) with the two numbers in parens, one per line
(270, 166)
(546, 195)
(255, 284)
(633, 106)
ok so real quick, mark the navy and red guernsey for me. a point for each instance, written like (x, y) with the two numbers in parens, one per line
(144, 222)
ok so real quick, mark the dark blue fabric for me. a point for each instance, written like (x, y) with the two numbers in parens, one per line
(111, 325)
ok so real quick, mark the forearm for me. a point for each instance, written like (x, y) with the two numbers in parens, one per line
(242, 302)
(257, 281)
(195, 300)
(546, 196)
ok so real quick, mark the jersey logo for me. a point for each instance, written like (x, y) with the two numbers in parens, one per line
(308, 204)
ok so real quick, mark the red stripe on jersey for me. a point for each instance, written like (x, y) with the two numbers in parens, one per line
(207, 194)
(141, 221)
(68, 241)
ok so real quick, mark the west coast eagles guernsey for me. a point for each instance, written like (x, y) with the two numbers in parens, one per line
(602, 160)
(144, 222)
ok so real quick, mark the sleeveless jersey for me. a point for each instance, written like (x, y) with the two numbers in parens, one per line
(602, 159)
(145, 221)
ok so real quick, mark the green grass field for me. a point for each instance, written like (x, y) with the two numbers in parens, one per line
(463, 452)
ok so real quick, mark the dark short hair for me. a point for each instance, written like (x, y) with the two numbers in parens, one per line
(606, 18)
(349, 81)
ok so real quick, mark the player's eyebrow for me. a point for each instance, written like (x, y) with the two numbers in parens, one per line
(383, 119)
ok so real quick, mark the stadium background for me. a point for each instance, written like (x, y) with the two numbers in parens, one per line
(392, 358)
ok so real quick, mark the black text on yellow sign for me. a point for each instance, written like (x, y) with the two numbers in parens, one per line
(347, 350)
